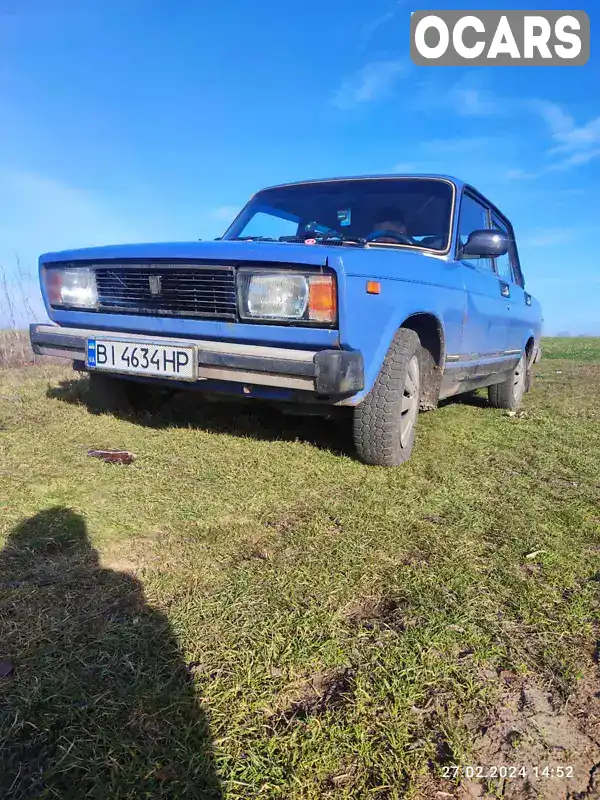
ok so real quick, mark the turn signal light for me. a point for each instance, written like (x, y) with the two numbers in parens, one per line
(321, 298)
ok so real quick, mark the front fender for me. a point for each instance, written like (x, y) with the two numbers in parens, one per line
(410, 283)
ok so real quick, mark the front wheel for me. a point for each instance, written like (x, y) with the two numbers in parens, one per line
(385, 422)
(509, 393)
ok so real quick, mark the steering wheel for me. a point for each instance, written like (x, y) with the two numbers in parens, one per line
(401, 238)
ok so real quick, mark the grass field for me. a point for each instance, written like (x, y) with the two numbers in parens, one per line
(248, 612)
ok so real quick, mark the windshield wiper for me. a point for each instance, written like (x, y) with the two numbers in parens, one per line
(341, 237)
(338, 238)
(253, 239)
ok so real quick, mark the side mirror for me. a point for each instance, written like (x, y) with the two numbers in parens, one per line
(485, 244)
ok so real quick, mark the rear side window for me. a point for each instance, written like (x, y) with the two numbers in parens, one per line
(473, 217)
(507, 266)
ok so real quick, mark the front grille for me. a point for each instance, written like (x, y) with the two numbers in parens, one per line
(168, 289)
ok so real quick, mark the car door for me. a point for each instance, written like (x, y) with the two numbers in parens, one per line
(485, 327)
(519, 302)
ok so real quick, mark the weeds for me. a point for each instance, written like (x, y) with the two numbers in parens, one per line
(246, 610)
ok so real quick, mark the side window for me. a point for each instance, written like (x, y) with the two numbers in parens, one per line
(507, 266)
(473, 217)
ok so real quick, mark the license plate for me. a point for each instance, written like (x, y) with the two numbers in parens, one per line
(143, 358)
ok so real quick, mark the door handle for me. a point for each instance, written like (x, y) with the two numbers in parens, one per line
(504, 289)
(527, 299)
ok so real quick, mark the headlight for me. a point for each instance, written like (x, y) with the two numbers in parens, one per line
(271, 295)
(74, 287)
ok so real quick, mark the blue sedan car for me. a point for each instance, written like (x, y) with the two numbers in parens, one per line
(377, 296)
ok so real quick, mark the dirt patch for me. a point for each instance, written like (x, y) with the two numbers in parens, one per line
(312, 695)
(120, 565)
(377, 611)
(584, 706)
(256, 547)
(138, 553)
(252, 552)
(431, 788)
(289, 519)
(532, 729)
(436, 519)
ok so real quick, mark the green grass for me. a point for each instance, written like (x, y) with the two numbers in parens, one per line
(581, 348)
(342, 622)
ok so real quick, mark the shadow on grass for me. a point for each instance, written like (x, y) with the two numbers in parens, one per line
(99, 703)
(468, 399)
(248, 418)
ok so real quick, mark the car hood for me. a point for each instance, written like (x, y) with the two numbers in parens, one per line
(228, 251)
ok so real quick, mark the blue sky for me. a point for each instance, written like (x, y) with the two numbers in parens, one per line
(142, 120)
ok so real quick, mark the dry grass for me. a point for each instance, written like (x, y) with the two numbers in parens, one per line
(15, 308)
(248, 612)
(15, 349)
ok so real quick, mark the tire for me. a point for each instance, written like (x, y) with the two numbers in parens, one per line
(509, 394)
(384, 423)
(110, 393)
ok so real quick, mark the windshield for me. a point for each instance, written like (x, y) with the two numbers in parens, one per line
(414, 212)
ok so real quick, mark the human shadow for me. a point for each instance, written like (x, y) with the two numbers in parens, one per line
(99, 702)
(249, 418)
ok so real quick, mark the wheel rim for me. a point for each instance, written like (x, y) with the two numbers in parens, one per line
(410, 400)
(519, 380)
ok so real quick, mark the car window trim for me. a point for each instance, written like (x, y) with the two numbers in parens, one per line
(506, 229)
(467, 188)
(454, 187)
(515, 263)
(477, 198)
(470, 191)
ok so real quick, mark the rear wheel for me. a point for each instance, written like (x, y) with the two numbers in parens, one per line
(385, 422)
(509, 394)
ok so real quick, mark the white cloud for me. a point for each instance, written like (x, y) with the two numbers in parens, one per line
(466, 97)
(583, 156)
(519, 174)
(577, 143)
(465, 145)
(467, 157)
(405, 167)
(471, 102)
(372, 26)
(373, 82)
(553, 115)
(574, 145)
(549, 237)
(40, 214)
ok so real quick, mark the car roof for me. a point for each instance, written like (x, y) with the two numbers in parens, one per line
(458, 183)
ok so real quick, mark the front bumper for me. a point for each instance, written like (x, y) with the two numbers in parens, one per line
(327, 373)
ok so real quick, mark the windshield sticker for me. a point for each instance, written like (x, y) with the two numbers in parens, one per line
(344, 216)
